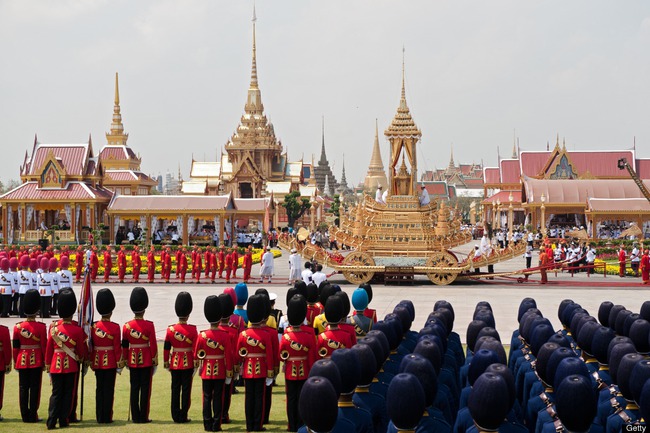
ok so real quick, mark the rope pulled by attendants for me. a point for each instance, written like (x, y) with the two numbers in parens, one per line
(344, 370)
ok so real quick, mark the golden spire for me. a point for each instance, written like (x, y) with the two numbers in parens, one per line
(254, 102)
(403, 124)
(451, 158)
(117, 135)
(376, 174)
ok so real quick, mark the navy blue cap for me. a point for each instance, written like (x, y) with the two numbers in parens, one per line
(562, 308)
(394, 320)
(554, 361)
(586, 335)
(347, 363)
(579, 320)
(540, 335)
(526, 323)
(639, 334)
(600, 343)
(383, 342)
(445, 316)
(479, 362)
(603, 312)
(409, 306)
(645, 310)
(419, 366)
(639, 376)
(543, 356)
(619, 323)
(568, 312)
(318, 404)
(644, 403)
(327, 369)
(367, 362)
(525, 305)
(611, 320)
(444, 304)
(431, 351)
(473, 329)
(616, 354)
(629, 320)
(389, 331)
(486, 403)
(405, 401)
(377, 350)
(503, 371)
(483, 304)
(559, 339)
(485, 315)
(489, 332)
(491, 343)
(624, 373)
(568, 367)
(576, 403)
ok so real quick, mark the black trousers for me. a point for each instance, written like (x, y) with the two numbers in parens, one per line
(105, 395)
(254, 403)
(6, 305)
(63, 385)
(528, 262)
(46, 302)
(293, 388)
(21, 306)
(213, 396)
(14, 304)
(2, 387)
(54, 308)
(268, 395)
(140, 393)
(181, 394)
(227, 397)
(29, 394)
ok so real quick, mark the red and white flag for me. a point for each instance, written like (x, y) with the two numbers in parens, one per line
(86, 308)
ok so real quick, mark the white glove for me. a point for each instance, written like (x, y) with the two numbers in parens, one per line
(236, 377)
(194, 371)
(119, 370)
(269, 381)
(228, 380)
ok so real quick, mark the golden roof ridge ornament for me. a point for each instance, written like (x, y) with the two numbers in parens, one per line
(402, 124)
(117, 135)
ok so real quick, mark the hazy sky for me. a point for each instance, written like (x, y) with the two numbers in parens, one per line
(476, 71)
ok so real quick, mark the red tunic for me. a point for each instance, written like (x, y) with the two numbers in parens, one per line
(313, 310)
(108, 264)
(5, 350)
(298, 351)
(136, 261)
(167, 266)
(194, 254)
(64, 335)
(621, 263)
(349, 328)
(94, 266)
(331, 339)
(235, 263)
(121, 265)
(208, 262)
(180, 340)
(197, 267)
(255, 349)
(645, 268)
(107, 351)
(79, 264)
(179, 252)
(228, 266)
(182, 266)
(247, 265)
(215, 348)
(151, 265)
(213, 266)
(222, 262)
(139, 347)
(29, 343)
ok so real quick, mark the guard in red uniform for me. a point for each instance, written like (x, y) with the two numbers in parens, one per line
(248, 264)
(136, 262)
(214, 351)
(235, 262)
(29, 343)
(255, 348)
(197, 266)
(167, 265)
(108, 264)
(645, 267)
(333, 337)
(66, 349)
(140, 351)
(181, 265)
(5, 359)
(121, 264)
(195, 252)
(178, 358)
(222, 260)
(233, 327)
(106, 357)
(213, 265)
(298, 351)
(78, 263)
(621, 261)
(207, 259)
(228, 265)
(151, 264)
(179, 252)
(94, 264)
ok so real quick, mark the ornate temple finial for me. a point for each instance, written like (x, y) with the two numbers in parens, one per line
(403, 73)
(254, 66)
(547, 146)
(563, 144)
(323, 157)
(451, 158)
(117, 135)
(344, 181)
(117, 91)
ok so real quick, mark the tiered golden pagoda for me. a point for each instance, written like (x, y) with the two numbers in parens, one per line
(401, 227)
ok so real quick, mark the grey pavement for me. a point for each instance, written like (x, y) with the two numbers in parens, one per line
(504, 295)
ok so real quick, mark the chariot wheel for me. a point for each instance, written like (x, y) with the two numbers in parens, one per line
(359, 260)
(442, 259)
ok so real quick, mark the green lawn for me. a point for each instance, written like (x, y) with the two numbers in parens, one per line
(160, 407)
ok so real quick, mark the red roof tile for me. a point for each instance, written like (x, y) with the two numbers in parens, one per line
(579, 190)
(29, 191)
(643, 168)
(510, 171)
(117, 152)
(121, 175)
(504, 197)
(138, 203)
(614, 205)
(436, 188)
(599, 163)
(71, 156)
(491, 175)
(250, 204)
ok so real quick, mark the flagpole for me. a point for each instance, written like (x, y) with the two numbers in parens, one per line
(86, 309)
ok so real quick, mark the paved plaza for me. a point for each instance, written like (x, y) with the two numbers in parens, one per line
(503, 294)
